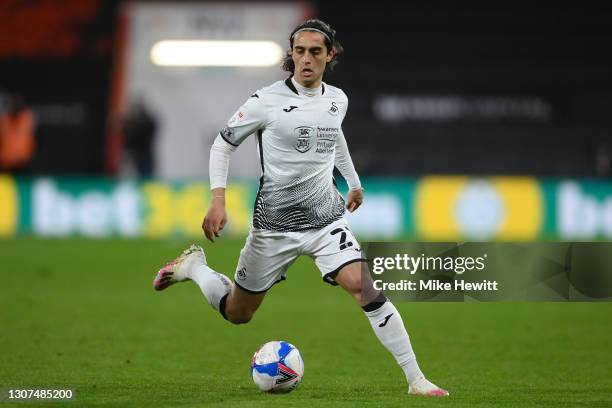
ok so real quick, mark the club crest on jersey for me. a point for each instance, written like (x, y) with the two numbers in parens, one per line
(304, 135)
(334, 109)
(241, 274)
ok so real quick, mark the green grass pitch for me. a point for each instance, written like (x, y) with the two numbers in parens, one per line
(82, 314)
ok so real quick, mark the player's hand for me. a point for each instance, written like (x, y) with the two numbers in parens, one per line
(354, 200)
(215, 219)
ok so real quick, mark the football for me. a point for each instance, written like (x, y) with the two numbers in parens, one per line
(277, 367)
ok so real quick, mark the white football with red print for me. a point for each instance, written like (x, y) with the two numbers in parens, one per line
(277, 367)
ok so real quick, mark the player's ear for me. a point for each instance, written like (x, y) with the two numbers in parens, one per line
(330, 55)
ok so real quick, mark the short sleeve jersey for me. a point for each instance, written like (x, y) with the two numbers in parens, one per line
(296, 136)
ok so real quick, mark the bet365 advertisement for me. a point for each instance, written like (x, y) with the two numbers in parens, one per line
(424, 209)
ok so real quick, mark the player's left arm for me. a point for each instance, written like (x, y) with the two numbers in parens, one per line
(344, 164)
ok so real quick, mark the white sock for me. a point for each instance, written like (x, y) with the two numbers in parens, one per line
(389, 328)
(212, 284)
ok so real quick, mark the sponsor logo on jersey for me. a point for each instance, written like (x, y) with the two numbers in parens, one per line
(304, 136)
(327, 133)
(334, 109)
(289, 109)
(326, 139)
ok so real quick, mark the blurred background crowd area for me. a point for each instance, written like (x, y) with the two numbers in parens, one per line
(497, 115)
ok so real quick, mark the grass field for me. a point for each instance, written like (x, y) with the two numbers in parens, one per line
(83, 315)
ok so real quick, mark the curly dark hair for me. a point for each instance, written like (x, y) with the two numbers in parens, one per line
(331, 43)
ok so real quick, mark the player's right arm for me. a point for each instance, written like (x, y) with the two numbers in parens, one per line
(250, 117)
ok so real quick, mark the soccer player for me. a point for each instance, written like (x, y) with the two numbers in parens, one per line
(298, 209)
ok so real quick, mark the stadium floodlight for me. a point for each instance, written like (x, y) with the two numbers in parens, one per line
(197, 53)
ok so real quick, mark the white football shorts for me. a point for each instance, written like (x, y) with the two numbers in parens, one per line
(267, 255)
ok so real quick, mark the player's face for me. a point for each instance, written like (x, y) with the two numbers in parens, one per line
(310, 55)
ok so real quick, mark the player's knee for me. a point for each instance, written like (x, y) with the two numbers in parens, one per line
(240, 316)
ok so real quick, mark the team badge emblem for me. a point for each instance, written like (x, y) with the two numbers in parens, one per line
(304, 138)
(334, 109)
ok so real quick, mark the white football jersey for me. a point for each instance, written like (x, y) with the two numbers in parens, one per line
(296, 143)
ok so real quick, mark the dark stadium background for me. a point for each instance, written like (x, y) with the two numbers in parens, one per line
(560, 55)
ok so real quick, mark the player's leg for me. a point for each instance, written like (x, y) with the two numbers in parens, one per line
(337, 254)
(263, 262)
(191, 265)
(387, 324)
(235, 304)
(239, 306)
